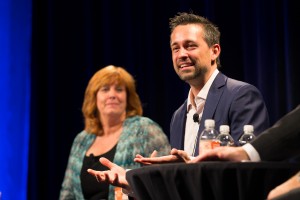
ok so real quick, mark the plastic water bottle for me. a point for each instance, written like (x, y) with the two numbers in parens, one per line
(208, 137)
(224, 137)
(248, 135)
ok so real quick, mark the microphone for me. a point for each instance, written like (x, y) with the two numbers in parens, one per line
(196, 117)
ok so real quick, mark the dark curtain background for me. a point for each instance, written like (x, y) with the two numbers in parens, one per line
(71, 40)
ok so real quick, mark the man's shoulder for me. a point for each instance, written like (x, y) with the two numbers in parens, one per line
(182, 107)
(230, 86)
(233, 84)
(230, 81)
(236, 82)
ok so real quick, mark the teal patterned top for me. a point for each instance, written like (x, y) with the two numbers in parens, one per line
(140, 135)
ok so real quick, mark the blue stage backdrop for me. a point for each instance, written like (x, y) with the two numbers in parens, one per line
(15, 40)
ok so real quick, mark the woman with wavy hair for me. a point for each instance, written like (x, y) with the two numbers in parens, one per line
(115, 129)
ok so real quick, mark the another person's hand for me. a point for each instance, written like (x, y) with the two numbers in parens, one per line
(222, 153)
(116, 175)
(175, 156)
(285, 187)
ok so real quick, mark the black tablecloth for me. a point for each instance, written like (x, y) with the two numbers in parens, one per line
(209, 180)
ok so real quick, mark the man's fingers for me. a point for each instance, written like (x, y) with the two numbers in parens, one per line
(92, 172)
(183, 155)
(174, 151)
(104, 161)
(153, 154)
(139, 156)
(98, 175)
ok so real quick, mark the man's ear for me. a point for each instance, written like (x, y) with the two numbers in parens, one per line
(215, 52)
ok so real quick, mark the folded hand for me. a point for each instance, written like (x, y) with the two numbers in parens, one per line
(175, 156)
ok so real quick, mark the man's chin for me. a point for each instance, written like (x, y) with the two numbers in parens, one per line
(186, 77)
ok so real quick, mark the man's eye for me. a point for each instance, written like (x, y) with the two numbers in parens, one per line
(191, 46)
(175, 49)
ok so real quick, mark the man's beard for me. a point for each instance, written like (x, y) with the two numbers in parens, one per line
(199, 71)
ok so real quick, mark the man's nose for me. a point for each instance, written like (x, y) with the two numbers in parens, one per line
(182, 52)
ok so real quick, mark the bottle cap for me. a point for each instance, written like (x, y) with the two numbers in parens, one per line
(224, 128)
(248, 128)
(209, 123)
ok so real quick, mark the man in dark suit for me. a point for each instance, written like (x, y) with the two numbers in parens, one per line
(195, 46)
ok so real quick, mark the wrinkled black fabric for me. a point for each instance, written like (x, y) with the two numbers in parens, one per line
(209, 180)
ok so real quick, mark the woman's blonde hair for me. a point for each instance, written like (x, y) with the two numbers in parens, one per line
(107, 76)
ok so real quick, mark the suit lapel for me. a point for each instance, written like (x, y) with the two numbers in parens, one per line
(211, 103)
(213, 97)
(178, 127)
(182, 118)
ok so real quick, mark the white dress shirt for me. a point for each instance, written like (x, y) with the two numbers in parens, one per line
(252, 153)
(191, 127)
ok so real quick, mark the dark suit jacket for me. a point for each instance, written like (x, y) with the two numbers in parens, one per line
(293, 194)
(282, 140)
(230, 102)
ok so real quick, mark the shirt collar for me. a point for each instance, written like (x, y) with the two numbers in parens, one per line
(202, 95)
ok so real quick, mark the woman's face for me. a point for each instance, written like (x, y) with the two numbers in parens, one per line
(112, 100)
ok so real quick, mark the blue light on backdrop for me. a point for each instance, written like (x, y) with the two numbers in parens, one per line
(15, 40)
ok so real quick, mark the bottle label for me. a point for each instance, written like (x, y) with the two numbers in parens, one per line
(119, 195)
(208, 144)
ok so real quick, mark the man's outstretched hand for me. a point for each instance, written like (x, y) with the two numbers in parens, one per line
(116, 175)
